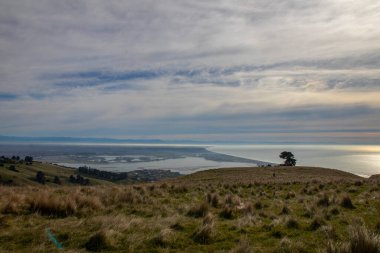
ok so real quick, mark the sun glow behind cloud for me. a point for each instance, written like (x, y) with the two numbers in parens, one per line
(259, 71)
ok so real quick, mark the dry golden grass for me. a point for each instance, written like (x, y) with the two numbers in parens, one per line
(186, 215)
(265, 175)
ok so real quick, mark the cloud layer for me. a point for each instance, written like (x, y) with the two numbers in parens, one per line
(256, 71)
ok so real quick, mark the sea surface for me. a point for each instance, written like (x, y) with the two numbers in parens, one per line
(362, 160)
(358, 159)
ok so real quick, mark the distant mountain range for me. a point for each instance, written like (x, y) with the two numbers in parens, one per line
(77, 139)
(16, 139)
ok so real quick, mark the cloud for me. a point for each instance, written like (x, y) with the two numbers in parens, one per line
(149, 68)
(7, 96)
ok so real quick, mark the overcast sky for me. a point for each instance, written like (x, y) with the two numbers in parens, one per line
(252, 70)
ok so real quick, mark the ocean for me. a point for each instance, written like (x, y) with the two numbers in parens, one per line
(362, 160)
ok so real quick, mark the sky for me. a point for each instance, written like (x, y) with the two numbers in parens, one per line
(236, 71)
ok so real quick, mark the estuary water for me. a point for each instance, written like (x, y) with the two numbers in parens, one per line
(361, 160)
(358, 159)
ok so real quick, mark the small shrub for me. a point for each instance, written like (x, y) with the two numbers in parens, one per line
(13, 168)
(346, 202)
(57, 180)
(40, 177)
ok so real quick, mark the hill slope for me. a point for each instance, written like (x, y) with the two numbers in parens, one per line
(268, 175)
(24, 174)
(222, 210)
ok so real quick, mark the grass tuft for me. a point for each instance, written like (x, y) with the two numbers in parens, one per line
(204, 234)
(242, 247)
(346, 202)
(316, 223)
(292, 223)
(361, 241)
(198, 211)
(98, 242)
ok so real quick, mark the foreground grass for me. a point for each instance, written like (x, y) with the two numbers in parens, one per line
(230, 210)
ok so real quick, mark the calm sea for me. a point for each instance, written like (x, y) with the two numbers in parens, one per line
(358, 159)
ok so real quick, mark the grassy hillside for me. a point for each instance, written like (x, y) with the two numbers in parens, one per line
(26, 174)
(268, 175)
(225, 210)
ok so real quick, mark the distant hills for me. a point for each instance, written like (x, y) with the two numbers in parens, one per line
(78, 139)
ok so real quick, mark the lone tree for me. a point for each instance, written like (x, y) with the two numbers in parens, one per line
(289, 158)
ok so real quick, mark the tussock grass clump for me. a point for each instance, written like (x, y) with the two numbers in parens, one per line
(316, 223)
(98, 242)
(323, 201)
(232, 200)
(361, 241)
(205, 232)
(53, 206)
(164, 239)
(227, 213)
(258, 205)
(292, 223)
(91, 202)
(246, 208)
(377, 228)
(285, 210)
(178, 189)
(213, 199)
(346, 202)
(329, 231)
(277, 234)
(208, 219)
(287, 246)
(199, 210)
(334, 211)
(309, 212)
(242, 247)
(358, 183)
(290, 195)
